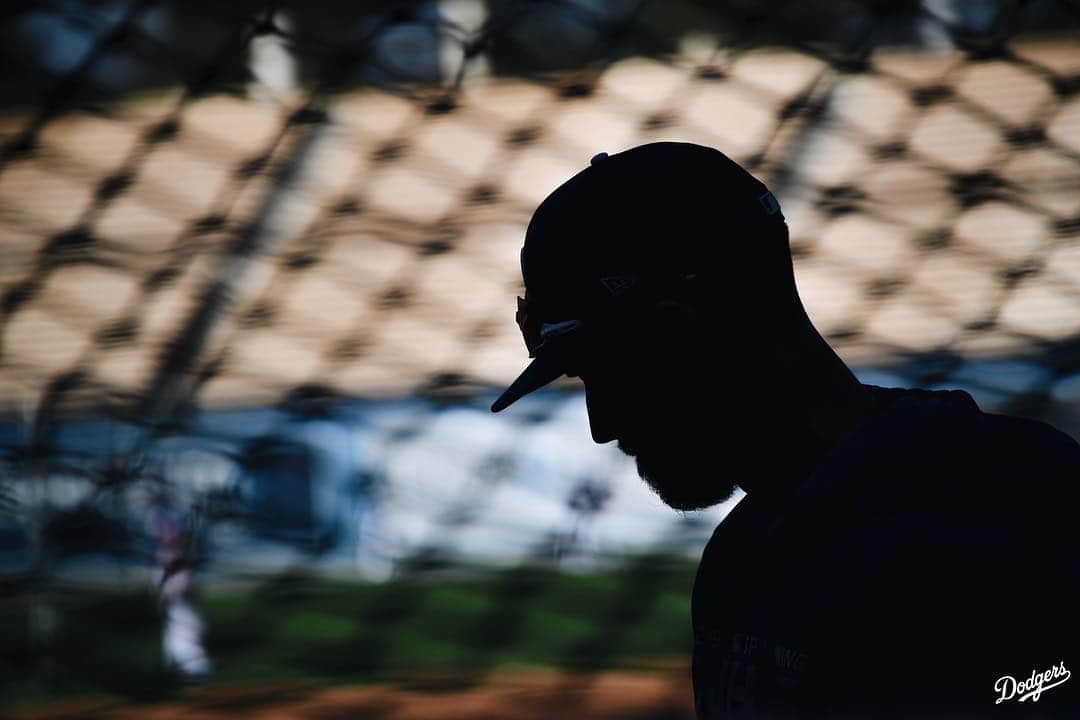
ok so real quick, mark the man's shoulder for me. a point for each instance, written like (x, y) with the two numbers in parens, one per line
(920, 553)
(942, 551)
(956, 407)
(956, 498)
(928, 459)
(1033, 442)
(937, 443)
(932, 474)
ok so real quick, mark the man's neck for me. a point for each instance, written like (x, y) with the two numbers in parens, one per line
(837, 407)
(828, 396)
(827, 404)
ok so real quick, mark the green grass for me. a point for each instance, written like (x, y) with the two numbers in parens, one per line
(298, 628)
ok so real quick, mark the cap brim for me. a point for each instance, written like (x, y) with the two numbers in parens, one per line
(541, 371)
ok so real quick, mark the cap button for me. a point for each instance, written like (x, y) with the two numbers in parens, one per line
(597, 158)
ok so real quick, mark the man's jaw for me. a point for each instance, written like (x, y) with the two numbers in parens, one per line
(677, 484)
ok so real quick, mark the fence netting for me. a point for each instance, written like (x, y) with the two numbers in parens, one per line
(259, 260)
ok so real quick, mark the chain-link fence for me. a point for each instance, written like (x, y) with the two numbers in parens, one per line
(259, 259)
(292, 205)
(288, 204)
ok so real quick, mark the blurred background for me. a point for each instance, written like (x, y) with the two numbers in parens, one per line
(258, 263)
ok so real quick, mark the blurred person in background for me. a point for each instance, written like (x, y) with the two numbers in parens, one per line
(898, 550)
(182, 632)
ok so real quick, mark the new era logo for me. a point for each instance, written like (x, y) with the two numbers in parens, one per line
(618, 284)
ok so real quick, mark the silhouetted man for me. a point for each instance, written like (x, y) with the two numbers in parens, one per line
(898, 551)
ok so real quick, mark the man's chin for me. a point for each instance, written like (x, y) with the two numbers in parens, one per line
(687, 492)
(687, 503)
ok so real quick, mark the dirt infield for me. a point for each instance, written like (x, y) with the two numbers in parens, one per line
(608, 695)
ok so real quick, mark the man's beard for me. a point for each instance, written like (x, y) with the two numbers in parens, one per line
(680, 472)
(694, 466)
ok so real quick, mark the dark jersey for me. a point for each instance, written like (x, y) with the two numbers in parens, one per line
(930, 562)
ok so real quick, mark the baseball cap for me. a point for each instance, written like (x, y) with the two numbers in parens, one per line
(625, 230)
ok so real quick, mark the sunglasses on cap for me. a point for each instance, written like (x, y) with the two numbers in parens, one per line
(568, 347)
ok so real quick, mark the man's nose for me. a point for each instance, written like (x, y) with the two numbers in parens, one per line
(600, 404)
